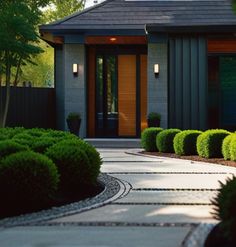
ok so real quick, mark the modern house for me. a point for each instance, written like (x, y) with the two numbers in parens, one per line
(121, 59)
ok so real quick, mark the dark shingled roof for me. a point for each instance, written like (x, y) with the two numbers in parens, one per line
(135, 15)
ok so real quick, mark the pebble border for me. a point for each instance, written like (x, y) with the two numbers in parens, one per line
(114, 189)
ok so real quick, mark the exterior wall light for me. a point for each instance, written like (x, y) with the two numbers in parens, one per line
(156, 69)
(75, 69)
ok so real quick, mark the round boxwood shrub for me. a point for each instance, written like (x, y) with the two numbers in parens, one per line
(35, 132)
(8, 147)
(148, 139)
(209, 143)
(24, 139)
(42, 144)
(164, 140)
(232, 149)
(225, 208)
(185, 142)
(59, 135)
(93, 155)
(27, 180)
(226, 146)
(73, 166)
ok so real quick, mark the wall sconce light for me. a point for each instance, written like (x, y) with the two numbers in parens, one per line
(75, 69)
(156, 69)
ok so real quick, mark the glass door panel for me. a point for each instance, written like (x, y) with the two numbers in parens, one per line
(106, 96)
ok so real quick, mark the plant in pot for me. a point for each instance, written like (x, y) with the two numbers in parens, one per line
(73, 122)
(154, 119)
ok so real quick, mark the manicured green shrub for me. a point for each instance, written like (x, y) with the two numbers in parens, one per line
(164, 140)
(27, 179)
(226, 146)
(185, 142)
(148, 139)
(232, 149)
(225, 208)
(209, 143)
(35, 132)
(10, 132)
(59, 135)
(73, 166)
(8, 147)
(24, 139)
(93, 155)
(42, 144)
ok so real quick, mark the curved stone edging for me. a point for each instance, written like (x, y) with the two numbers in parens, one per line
(114, 189)
(197, 237)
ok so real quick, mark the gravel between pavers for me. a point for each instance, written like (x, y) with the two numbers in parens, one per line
(114, 189)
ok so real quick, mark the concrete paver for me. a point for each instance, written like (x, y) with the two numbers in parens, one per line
(93, 236)
(143, 214)
(183, 197)
(174, 181)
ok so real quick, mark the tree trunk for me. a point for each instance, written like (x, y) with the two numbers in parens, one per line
(17, 72)
(8, 87)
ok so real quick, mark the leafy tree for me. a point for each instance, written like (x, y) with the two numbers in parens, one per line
(62, 8)
(18, 40)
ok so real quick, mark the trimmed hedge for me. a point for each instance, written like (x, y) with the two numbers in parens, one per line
(233, 149)
(24, 139)
(209, 143)
(9, 147)
(42, 144)
(185, 142)
(225, 209)
(164, 140)
(27, 179)
(73, 166)
(148, 139)
(226, 146)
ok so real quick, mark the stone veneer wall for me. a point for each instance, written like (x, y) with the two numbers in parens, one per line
(158, 86)
(74, 87)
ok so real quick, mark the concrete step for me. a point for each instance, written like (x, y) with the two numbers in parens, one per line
(115, 142)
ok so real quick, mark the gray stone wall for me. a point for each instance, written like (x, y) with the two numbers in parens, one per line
(75, 87)
(60, 87)
(158, 86)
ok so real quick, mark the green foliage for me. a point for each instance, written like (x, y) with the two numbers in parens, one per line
(73, 166)
(185, 142)
(42, 144)
(61, 9)
(226, 146)
(148, 138)
(24, 139)
(209, 143)
(93, 155)
(35, 132)
(59, 135)
(73, 115)
(10, 132)
(154, 116)
(225, 208)
(164, 140)
(8, 147)
(27, 179)
(233, 149)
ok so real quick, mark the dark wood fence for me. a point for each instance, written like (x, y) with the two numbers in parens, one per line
(30, 107)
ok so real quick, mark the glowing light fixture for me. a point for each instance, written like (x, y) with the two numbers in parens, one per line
(75, 69)
(113, 39)
(156, 69)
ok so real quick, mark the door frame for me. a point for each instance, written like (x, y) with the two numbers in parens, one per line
(116, 50)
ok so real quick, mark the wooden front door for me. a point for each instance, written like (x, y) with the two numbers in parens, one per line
(118, 107)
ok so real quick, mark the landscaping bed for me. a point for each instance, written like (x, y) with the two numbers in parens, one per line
(220, 161)
(42, 168)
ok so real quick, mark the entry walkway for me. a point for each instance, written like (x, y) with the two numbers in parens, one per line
(168, 198)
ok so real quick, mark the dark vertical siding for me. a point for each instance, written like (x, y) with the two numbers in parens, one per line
(31, 107)
(187, 82)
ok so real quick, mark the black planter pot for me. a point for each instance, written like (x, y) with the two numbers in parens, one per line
(154, 122)
(216, 238)
(74, 125)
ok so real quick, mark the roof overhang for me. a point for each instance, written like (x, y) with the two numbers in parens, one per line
(152, 28)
